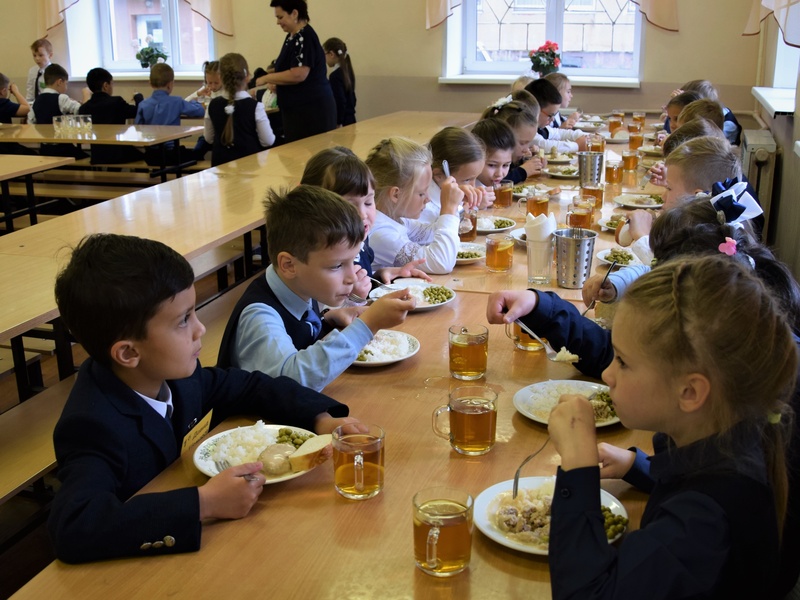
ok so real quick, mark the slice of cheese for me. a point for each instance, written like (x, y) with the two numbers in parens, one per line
(310, 454)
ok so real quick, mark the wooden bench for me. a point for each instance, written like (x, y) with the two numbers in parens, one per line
(135, 166)
(214, 316)
(217, 261)
(93, 193)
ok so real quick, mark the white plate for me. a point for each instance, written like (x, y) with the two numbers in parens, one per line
(532, 190)
(517, 235)
(412, 342)
(601, 256)
(402, 283)
(205, 464)
(498, 229)
(587, 126)
(561, 159)
(604, 225)
(557, 174)
(637, 201)
(649, 136)
(615, 140)
(486, 502)
(540, 411)
(470, 247)
(650, 150)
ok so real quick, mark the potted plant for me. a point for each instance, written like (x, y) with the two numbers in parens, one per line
(149, 56)
(545, 59)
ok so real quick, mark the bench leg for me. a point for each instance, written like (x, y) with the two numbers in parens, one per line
(21, 373)
(63, 341)
(31, 199)
(222, 279)
(8, 208)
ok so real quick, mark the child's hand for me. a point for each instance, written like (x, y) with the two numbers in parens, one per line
(363, 284)
(326, 424)
(573, 432)
(592, 291)
(387, 274)
(488, 197)
(639, 223)
(509, 305)
(14, 89)
(232, 493)
(658, 174)
(451, 197)
(614, 462)
(533, 166)
(342, 317)
(660, 137)
(572, 119)
(389, 310)
(471, 196)
(583, 143)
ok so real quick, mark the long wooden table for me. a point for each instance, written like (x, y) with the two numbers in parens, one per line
(302, 539)
(13, 166)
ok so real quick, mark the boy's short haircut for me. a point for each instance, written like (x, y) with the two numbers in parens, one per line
(495, 134)
(703, 88)
(339, 170)
(708, 109)
(309, 218)
(683, 99)
(705, 161)
(96, 77)
(688, 131)
(113, 285)
(525, 97)
(161, 74)
(53, 73)
(4, 81)
(544, 92)
(42, 43)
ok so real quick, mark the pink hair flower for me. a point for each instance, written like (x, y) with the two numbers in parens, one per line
(728, 246)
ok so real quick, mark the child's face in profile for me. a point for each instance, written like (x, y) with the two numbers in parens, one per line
(637, 385)
(60, 85)
(331, 59)
(566, 95)
(524, 135)
(414, 199)
(673, 112)
(676, 192)
(496, 167)
(366, 208)
(467, 173)
(172, 344)
(213, 81)
(546, 114)
(328, 275)
(41, 57)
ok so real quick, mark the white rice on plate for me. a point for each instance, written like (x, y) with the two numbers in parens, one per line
(546, 395)
(243, 444)
(385, 346)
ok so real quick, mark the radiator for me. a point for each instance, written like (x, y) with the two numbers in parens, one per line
(758, 165)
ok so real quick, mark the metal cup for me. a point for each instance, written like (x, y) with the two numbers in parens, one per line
(574, 251)
(590, 167)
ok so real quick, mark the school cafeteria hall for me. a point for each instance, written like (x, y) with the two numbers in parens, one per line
(523, 173)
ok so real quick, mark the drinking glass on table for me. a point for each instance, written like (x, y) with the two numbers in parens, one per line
(630, 160)
(442, 519)
(535, 205)
(522, 339)
(594, 190)
(499, 252)
(473, 420)
(613, 172)
(469, 350)
(640, 118)
(597, 143)
(503, 193)
(358, 462)
(635, 140)
(579, 213)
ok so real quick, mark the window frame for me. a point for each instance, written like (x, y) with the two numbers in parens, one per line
(461, 30)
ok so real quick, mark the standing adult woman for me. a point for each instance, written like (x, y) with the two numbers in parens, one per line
(300, 77)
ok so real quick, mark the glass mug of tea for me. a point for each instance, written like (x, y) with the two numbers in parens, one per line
(442, 530)
(469, 351)
(473, 420)
(579, 214)
(503, 193)
(499, 252)
(522, 340)
(358, 462)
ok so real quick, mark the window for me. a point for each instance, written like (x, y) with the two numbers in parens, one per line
(123, 27)
(597, 38)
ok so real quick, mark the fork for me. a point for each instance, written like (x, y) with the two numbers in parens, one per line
(602, 283)
(221, 465)
(548, 349)
(522, 464)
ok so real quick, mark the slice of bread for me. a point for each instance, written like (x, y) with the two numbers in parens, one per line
(310, 454)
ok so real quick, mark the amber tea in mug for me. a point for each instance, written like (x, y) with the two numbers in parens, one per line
(614, 123)
(468, 217)
(579, 214)
(640, 117)
(635, 141)
(358, 462)
(597, 143)
(538, 204)
(503, 193)
(499, 252)
(613, 172)
(473, 420)
(442, 520)
(522, 340)
(630, 160)
(595, 191)
(469, 351)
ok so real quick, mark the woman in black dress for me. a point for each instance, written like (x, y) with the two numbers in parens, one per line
(304, 94)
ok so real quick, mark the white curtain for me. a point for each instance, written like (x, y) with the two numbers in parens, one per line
(661, 13)
(786, 13)
(50, 14)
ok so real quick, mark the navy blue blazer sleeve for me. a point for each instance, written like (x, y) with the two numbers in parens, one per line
(109, 443)
(561, 323)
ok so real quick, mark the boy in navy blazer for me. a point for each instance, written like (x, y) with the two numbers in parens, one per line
(139, 400)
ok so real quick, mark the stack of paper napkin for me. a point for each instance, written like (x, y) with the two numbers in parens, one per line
(540, 228)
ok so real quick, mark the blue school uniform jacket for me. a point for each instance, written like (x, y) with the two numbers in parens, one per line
(109, 443)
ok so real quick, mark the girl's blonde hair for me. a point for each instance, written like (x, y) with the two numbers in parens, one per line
(339, 170)
(710, 315)
(559, 80)
(695, 128)
(396, 162)
(456, 145)
(520, 83)
(704, 161)
(233, 71)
